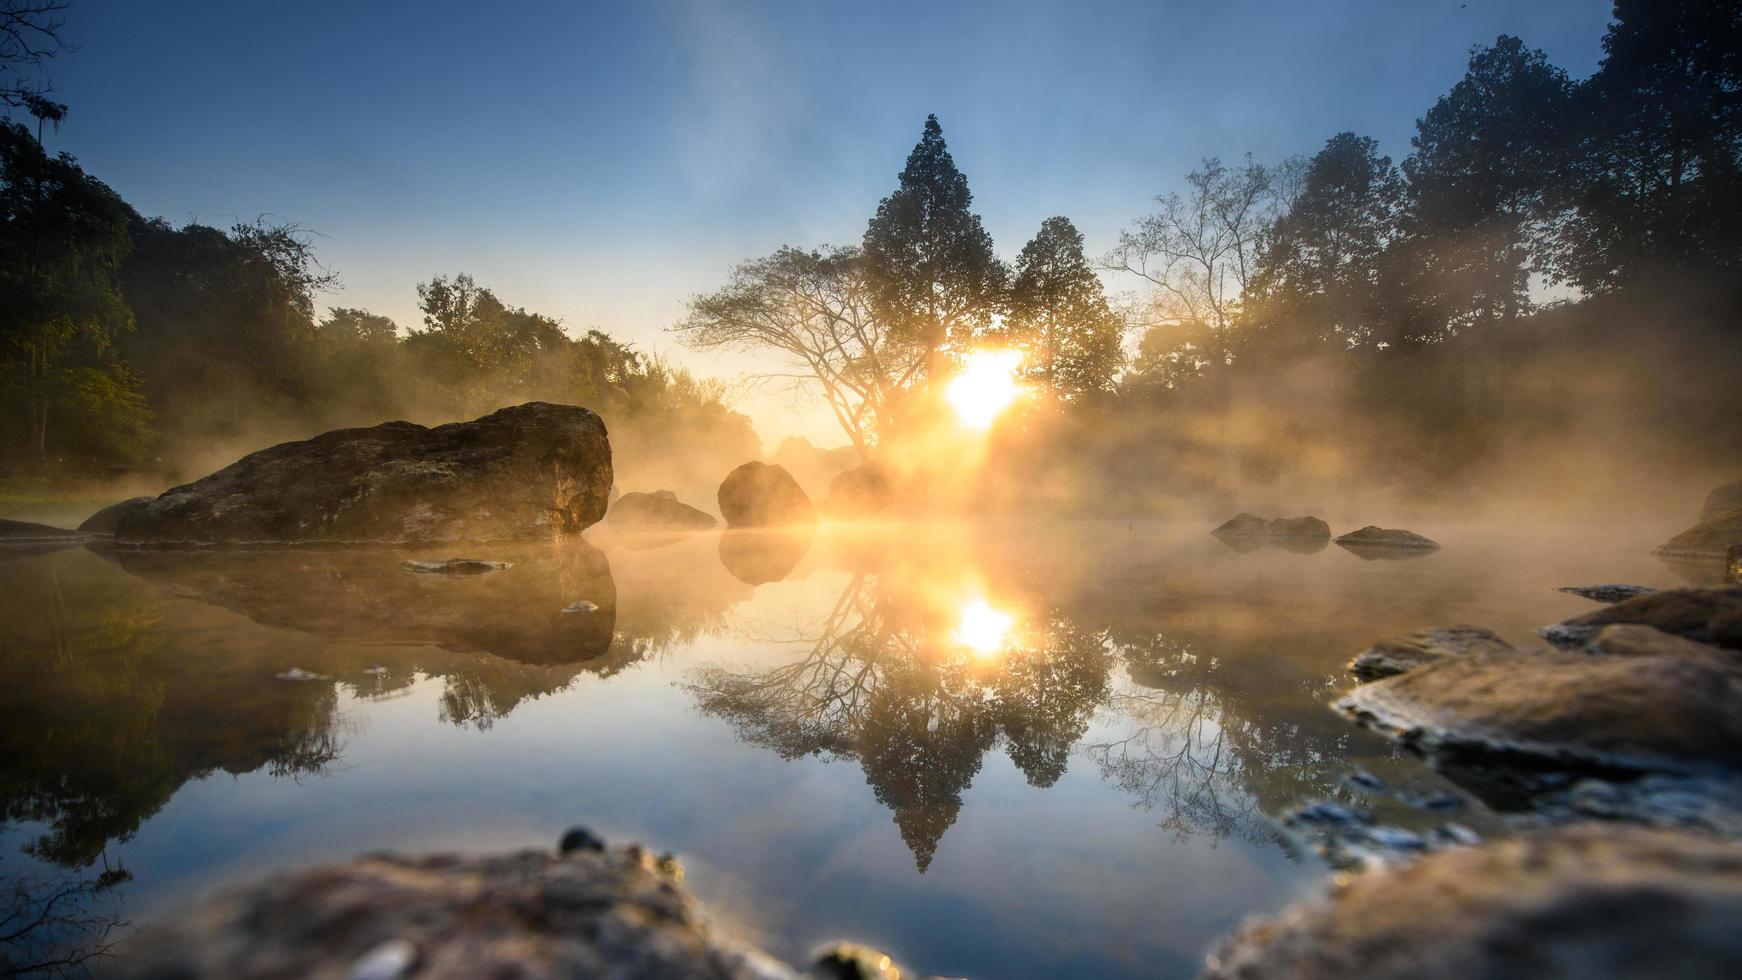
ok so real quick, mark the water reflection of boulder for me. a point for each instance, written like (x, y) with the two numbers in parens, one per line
(757, 557)
(520, 612)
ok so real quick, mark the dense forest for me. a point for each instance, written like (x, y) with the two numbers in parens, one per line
(1546, 285)
(128, 344)
(1544, 290)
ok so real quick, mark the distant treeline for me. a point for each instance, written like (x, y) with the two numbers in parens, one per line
(132, 344)
(1550, 278)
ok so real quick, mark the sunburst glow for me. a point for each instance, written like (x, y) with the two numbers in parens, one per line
(983, 629)
(986, 386)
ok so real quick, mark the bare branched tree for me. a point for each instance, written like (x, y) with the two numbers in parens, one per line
(816, 309)
(30, 34)
(1197, 252)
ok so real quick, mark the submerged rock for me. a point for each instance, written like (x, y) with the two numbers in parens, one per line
(588, 911)
(1384, 543)
(522, 472)
(454, 566)
(866, 489)
(1711, 538)
(105, 521)
(1606, 593)
(1592, 902)
(764, 495)
(660, 509)
(1722, 500)
(1705, 615)
(1670, 711)
(1411, 650)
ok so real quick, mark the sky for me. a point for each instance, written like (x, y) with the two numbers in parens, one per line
(601, 163)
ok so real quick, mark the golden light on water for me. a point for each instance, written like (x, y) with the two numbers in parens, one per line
(986, 386)
(982, 628)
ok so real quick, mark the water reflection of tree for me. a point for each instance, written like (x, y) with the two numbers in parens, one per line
(58, 924)
(881, 683)
(1211, 760)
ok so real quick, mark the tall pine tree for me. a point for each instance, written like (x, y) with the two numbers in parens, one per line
(933, 272)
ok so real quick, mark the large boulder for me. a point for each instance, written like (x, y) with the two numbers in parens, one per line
(1672, 709)
(107, 520)
(527, 471)
(585, 911)
(1594, 902)
(1705, 615)
(1711, 538)
(659, 509)
(764, 495)
(1722, 500)
(862, 491)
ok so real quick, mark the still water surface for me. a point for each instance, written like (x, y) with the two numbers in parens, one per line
(996, 750)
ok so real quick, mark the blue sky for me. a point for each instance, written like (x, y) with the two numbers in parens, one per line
(601, 162)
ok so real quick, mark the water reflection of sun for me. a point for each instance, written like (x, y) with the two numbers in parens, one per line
(983, 629)
(986, 386)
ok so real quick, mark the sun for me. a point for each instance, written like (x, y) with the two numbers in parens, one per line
(986, 386)
(983, 629)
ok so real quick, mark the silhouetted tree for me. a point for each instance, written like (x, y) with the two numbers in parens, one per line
(30, 34)
(1198, 251)
(1484, 158)
(1059, 318)
(1319, 273)
(1660, 148)
(63, 236)
(933, 272)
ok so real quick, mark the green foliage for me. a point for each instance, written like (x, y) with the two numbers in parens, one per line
(933, 272)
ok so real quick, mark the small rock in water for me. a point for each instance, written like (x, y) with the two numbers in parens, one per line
(582, 606)
(298, 674)
(579, 839)
(1439, 799)
(455, 566)
(388, 961)
(374, 670)
(1606, 593)
(1324, 813)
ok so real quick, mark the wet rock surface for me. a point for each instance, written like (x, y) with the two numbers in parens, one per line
(1588, 902)
(1722, 500)
(105, 521)
(1659, 712)
(1711, 616)
(660, 509)
(1421, 647)
(1712, 538)
(453, 566)
(764, 495)
(1380, 543)
(1606, 593)
(522, 472)
(588, 911)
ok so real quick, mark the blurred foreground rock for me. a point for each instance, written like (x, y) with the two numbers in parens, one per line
(1704, 615)
(764, 495)
(1591, 902)
(1422, 647)
(585, 911)
(522, 472)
